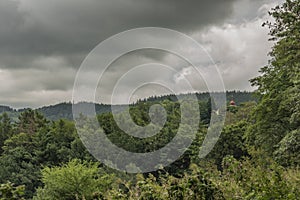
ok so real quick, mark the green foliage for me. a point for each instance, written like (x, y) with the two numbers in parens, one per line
(231, 142)
(59, 144)
(9, 191)
(191, 186)
(5, 129)
(258, 179)
(53, 144)
(164, 135)
(278, 111)
(31, 122)
(289, 148)
(232, 109)
(241, 112)
(41, 143)
(17, 163)
(73, 180)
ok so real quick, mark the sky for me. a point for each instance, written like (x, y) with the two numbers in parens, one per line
(44, 43)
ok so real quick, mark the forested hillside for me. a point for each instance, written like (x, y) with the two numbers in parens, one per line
(256, 156)
(64, 110)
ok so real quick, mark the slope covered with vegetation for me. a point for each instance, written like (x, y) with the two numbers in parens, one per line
(64, 110)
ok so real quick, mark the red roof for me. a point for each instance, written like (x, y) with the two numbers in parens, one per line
(232, 103)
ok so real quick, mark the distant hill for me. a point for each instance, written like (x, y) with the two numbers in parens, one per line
(55, 112)
(6, 109)
(64, 110)
(238, 96)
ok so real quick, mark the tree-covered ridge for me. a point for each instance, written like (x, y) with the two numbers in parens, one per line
(64, 110)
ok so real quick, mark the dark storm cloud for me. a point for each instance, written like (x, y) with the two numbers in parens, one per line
(34, 27)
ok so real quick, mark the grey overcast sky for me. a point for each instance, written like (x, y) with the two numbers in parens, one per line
(43, 43)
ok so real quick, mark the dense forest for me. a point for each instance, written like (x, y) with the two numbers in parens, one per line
(256, 156)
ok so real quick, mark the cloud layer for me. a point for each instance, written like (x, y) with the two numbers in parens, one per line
(42, 43)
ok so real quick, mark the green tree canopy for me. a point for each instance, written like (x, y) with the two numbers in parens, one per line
(278, 112)
(74, 180)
